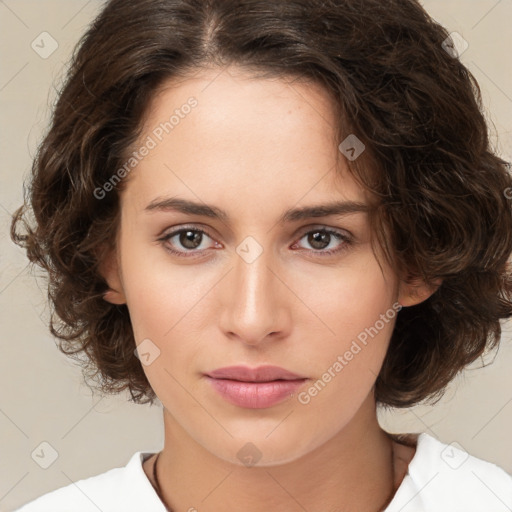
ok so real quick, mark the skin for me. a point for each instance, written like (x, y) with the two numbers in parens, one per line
(255, 148)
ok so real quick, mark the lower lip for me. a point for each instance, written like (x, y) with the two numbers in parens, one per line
(255, 395)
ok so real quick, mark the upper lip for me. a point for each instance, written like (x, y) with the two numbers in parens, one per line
(259, 374)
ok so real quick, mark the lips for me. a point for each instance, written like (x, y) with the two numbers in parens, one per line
(259, 374)
(256, 388)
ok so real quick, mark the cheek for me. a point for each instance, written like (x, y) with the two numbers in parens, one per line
(167, 306)
(158, 294)
(355, 307)
(349, 298)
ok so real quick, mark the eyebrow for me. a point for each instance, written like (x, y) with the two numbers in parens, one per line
(291, 215)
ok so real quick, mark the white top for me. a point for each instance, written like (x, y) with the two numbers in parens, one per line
(440, 478)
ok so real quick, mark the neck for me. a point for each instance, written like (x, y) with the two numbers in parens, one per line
(354, 470)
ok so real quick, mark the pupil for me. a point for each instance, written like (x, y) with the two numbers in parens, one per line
(188, 239)
(319, 238)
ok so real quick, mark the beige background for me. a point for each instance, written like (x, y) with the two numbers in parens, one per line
(43, 398)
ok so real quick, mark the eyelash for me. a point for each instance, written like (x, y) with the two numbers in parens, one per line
(323, 253)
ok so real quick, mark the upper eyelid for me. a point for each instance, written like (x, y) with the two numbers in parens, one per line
(322, 227)
(174, 231)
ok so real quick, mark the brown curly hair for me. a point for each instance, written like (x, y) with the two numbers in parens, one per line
(441, 206)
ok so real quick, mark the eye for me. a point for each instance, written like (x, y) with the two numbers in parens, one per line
(321, 238)
(190, 239)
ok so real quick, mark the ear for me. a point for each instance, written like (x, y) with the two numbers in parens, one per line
(415, 290)
(109, 270)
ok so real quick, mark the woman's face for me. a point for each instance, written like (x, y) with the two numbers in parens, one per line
(254, 285)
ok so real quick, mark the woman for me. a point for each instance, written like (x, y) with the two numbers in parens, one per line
(274, 217)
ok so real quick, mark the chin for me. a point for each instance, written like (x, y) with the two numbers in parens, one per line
(259, 449)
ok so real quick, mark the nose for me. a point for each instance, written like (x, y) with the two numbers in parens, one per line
(255, 306)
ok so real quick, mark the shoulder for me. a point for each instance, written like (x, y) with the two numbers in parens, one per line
(119, 489)
(444, 477)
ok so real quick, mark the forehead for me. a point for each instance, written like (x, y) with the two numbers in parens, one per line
(227, 137)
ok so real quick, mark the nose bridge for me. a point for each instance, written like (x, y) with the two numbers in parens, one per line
(254, 303)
